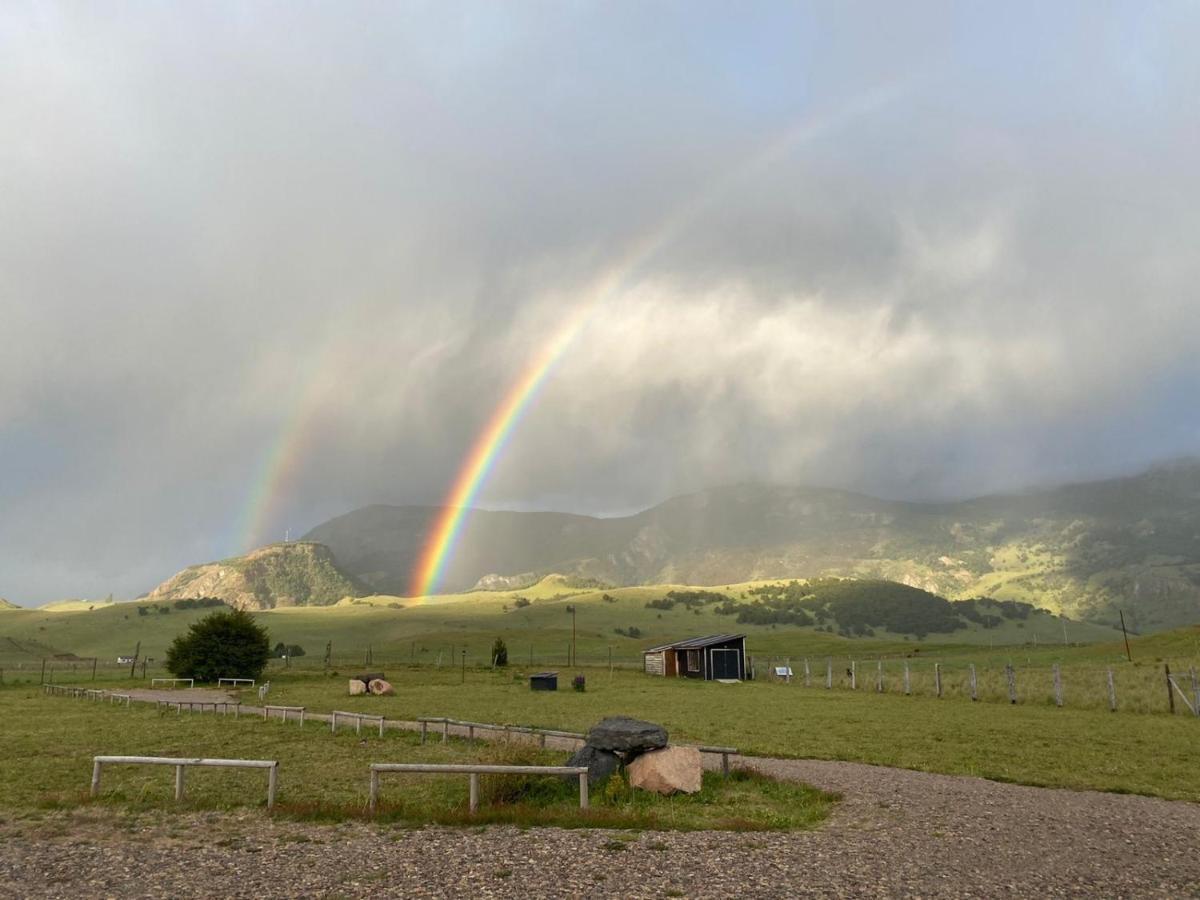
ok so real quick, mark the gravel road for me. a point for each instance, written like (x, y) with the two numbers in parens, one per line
(896, 834)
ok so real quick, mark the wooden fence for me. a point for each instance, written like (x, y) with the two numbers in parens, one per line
(180, 764)
(358, 720)
(1007, 683)
(474, 771)
(283, 712)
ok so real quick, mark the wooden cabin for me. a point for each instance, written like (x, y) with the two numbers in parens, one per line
(718, 656)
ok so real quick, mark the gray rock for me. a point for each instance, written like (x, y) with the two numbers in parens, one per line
(600, 764)
(625, 735)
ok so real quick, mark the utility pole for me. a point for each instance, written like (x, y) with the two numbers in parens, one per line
(574, 660)
(136, 653)
(464, 665)
(1128, 655)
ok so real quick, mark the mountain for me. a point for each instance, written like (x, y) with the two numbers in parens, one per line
(5, 604)
(300, 573)
(1087, 550)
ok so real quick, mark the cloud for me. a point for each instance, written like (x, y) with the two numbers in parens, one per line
(924, 252)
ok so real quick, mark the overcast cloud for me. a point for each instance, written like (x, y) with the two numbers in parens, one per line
(918, 250)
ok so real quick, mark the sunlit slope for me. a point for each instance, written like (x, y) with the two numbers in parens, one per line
(534, 622)
(299, 573)
(1088, 550)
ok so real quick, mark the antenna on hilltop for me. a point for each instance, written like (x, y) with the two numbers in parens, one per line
(287, 535)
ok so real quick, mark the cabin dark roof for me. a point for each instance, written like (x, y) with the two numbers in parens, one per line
(696, 643)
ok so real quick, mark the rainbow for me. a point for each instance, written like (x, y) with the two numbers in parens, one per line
(282, 458)
(491, 440)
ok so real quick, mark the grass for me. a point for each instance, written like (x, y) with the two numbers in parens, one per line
(396, 629)
(323, 777)
(1030, 743)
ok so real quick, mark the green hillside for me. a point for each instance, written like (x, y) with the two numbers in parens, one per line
(535, 623)
(1087, 550)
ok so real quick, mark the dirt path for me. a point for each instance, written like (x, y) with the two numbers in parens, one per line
(897, 833)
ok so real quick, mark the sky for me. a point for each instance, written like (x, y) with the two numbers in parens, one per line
(264, 263)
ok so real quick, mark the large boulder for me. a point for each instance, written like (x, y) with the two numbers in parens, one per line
(600, 763)
(667, 771)
(381, 687)
(357, 687)
(622, 734)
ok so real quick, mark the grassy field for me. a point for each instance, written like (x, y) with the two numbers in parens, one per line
(405, 630)
(1029, 743)
(48, 743)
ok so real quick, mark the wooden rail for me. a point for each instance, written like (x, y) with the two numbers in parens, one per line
(725, 753)
(191, 682)
(358, 720)
(283, 711)
(446, 723)
(474, 771)
(272, 767)
(193, 705)
(542, 733)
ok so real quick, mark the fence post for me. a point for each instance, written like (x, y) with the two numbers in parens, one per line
(1058, 693)
(879, 676)
(474, 803)
(373, 795)
(907, 682)
(1195, 691)
(828, 673)
(272, 783)
(974, 685)
(178, 783)
(1011, 675)
(1170, 693)
(583, 791)
(1112, 692)
(853, 675)
(96, 777)
(807, 674)
(937, 678)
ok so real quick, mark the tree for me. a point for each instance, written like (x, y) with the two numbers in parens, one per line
(500, 652)
(226, 644)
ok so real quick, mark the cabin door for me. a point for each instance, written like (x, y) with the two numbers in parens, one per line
(725, 664)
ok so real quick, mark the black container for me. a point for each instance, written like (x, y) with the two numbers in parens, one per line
(544, 681)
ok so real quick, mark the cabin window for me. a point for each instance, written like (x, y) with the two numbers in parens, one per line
(693, 660)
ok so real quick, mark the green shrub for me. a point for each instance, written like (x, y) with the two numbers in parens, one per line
(226, 644)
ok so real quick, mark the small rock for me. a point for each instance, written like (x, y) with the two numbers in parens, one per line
(626, 735)
(381, 687)
(667, 771)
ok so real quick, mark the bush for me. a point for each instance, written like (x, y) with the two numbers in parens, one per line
(521, 602)
(579, 683)
(226, 644)
(499, 652)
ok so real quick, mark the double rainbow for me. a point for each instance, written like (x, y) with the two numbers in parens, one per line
(281, 457)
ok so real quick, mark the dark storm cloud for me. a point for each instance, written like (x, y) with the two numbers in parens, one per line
(972, 266)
